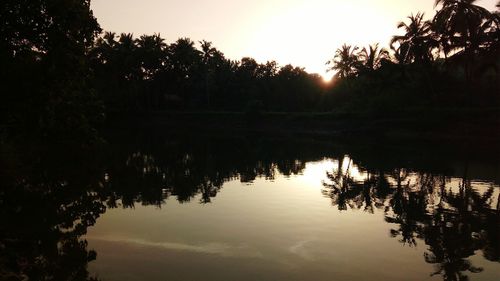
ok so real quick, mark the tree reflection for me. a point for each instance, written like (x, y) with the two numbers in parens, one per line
(50, 197)
(348, 192)
(149, 174)
(453, 218)
(45, 209)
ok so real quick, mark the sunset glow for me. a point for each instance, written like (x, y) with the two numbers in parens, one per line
(300, 32)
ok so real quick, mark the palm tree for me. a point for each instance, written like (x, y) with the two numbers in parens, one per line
(207, 50)
(184, 56)
(126, 40)
(459, 21)
(185, 61)
(151, 56)
(207, 58)
(466, 28)
(151, 50)
(345, 61)
(372, 56)
(109, 38)
(417, 44)
(128, 60)
(104, 47)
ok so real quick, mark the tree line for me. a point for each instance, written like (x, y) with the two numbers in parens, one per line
(61, 73)
(145, 73)
(455, 53)
(450, 60)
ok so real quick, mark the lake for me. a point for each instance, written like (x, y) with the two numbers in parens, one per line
(154, 206)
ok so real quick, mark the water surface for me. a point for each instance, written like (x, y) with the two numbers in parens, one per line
(247, 208)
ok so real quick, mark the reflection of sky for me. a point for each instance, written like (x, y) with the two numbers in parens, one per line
(301, 32)
(270, 230)
(221, 249)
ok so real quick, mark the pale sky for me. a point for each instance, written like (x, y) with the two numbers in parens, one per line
(301, 32)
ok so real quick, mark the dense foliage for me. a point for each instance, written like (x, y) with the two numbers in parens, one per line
(148, 74)
(451, 60)
(59, 72)
(44, 72)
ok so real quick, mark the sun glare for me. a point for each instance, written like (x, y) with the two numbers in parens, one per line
(304, 33)
(316, 172)
(318, 27)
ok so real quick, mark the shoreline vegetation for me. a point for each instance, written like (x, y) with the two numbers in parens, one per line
(88, 119)
(64, 77)
(447, 125)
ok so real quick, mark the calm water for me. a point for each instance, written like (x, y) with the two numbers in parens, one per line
(150, 207)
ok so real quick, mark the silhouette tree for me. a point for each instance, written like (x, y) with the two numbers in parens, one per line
(46, 208)
(151, 51)
(184, 63)
(460, 20)
(46, 42)
(128, 61)
(212, 59)
(372, 57)
(345, 61)
(463, 26)
(417, 44)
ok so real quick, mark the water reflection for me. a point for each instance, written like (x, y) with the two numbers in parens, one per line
(47, 202)
(453, 217)
(185, 168)
(49, 199)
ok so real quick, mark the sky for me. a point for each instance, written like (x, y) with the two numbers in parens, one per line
(304, 33)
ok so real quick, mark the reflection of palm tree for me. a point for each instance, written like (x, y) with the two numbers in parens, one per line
(345, 61)
(45, 212)
(498, 203)
(453, 227)
(455, 230)
(408, 208)
(400, 175)
(340, 185)
(345, 191)
(208, 190)
(451, 240)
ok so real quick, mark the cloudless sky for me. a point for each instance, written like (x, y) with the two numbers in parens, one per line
(301, 32)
